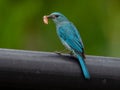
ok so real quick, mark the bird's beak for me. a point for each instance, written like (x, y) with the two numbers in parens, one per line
(50, 16)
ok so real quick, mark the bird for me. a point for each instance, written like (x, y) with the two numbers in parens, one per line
(70, 38)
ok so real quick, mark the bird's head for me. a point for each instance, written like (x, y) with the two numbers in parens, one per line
(57, 17)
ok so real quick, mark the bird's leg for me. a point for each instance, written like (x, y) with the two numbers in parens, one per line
(71, 53)
(60, 52)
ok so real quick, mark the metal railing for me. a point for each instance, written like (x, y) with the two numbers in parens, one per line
(34, 69)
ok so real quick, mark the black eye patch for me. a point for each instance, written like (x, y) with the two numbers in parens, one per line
(56, 15)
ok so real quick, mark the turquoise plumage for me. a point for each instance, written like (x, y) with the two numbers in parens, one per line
(70, 38)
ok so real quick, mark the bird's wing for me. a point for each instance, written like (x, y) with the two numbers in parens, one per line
(70, 35)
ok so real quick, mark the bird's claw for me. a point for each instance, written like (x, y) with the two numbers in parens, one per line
(59, 53)
(71, 53)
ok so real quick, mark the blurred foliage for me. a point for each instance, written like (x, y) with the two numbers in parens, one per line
(98, 21)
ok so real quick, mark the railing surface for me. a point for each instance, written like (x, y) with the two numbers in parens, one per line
(34, 69)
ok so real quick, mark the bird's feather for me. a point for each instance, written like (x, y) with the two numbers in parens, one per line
(68, 33)
(70, 38)
(84, 68)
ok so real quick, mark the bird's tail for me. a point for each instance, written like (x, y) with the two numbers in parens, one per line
(84, 67)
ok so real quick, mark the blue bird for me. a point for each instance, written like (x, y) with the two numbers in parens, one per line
(70, 38)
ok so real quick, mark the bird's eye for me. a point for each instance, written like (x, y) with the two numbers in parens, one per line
(56, 15)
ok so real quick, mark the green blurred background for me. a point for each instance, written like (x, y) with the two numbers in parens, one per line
(98, 21)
